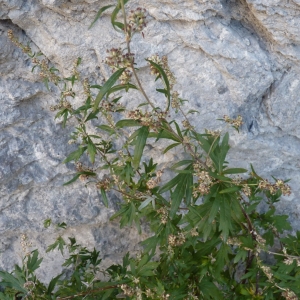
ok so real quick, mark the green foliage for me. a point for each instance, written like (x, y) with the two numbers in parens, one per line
(210, 240)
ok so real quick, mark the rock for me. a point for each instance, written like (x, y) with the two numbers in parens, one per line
(229, 57)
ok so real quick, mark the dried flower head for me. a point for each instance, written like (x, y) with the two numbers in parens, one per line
(136, 20)
(289, 295)
(236, 123)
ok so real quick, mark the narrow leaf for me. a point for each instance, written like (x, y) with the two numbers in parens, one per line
(121, 87)
(52, 284)
(72, 180)
(127, 123)
(170, 147)
(139, 147)
(146, 202)
(104, 197)
(99, 13)
(75, 155)
(165, 80)
(234, 171)
(92, 151)
(230, 190)
(107, 86)
(106, 128)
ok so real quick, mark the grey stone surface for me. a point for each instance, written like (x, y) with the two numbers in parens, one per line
(229, 56)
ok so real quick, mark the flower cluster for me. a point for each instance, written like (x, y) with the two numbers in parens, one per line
(214, 133)
(127, 290)
(176, 240)
(289, 260)
(162, 62)
(246, 190)
(236, 123)
(15, 41)
(194, 232)
(117, 60)
(175, 103)
(45, 71)
(136, 21)
(153, 119)
(186, 124)
(86, 87)
(289, 295)
(237, 180)
(25, 244)
(164, 214)
(153, 182)
(268, 272)
(104, 183)
(81, 168)
(62, 104)
(111, 107)
(273, 188)
(204, 181)
(233, 241)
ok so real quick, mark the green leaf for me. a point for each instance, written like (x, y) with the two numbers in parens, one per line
(240, 256)
(191, 111)
(180, 191)
(165, 80)
(146, 202)
(92, 151)
(224, 147)
(214, 210)
(139, 146)
(208, 146)
(178, 129)
(254, 173)
(47, 223)
(59, 243)
(115, 13)
(99, 13)
(75, 155)
(33, 262)
(189, 188)
(73, 179)
(164, 134)
(230, 190)
(170, 147)
(104, 197)
(166, 187)
(235, 171)
(96, 86)
(225, 217)
(10, 281)
(52, 284)
(92, 115)
(210, 290)
(107, 86)
(106, 128)
(181, 163)
(61, 225)
(127, 123)
(119, 87)
(163, 91)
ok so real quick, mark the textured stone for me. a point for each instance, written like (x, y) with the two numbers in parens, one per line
(229, 56)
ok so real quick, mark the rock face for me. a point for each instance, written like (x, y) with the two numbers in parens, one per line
(229, 57)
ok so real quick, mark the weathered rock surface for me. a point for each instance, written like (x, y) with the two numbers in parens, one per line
(229, 56)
